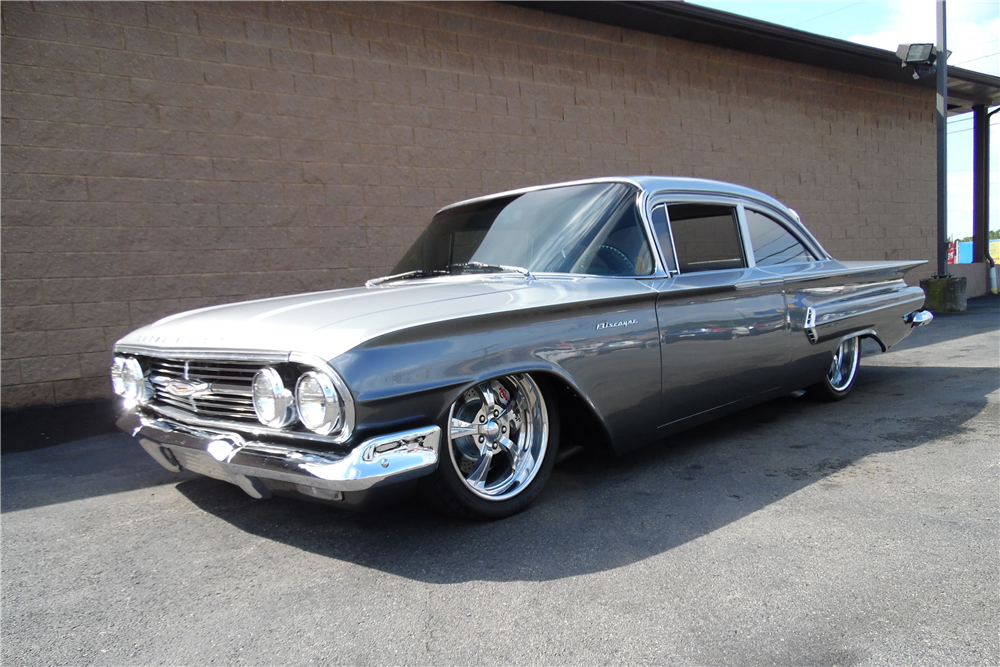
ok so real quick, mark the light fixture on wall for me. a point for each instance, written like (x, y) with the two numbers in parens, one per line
(921, 57)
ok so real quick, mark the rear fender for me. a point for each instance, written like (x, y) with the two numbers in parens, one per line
(875, 311)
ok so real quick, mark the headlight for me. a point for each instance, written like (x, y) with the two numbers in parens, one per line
(318, 403)
(127, 379)
(273, 403)
(118, 375)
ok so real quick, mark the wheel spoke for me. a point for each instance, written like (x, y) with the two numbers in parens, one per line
(461, 428)
(489, 399)
(477, 477)
(511, 449)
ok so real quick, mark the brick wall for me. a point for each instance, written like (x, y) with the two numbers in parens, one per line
(160, 157)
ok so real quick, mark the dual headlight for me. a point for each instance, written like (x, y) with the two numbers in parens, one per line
(316, 402)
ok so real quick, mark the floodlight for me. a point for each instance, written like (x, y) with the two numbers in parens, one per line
(921, 57)
(916, 54)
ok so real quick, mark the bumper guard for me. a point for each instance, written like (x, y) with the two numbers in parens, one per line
(251, 464)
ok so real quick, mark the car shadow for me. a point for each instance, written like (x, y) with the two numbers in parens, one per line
(599, 513)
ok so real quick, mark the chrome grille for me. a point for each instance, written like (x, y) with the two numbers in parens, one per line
(218, 389)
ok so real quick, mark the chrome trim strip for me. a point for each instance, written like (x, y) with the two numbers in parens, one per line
(763, 282)
(214, 354)
(647, 212)
(642, 205)
(829, 314)
(499, 276)
(749, 258)
(879, 287)
(228, 456)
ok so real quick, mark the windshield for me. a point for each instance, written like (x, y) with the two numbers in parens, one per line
(592, 228)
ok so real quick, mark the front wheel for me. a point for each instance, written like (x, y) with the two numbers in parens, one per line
(499, 449)
(843, 371)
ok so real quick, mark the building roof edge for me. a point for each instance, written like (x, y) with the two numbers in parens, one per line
(694, 23)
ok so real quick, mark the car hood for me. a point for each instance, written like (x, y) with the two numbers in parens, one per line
(330, 323)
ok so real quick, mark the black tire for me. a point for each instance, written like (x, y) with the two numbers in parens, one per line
(839, 381)
(496, 452)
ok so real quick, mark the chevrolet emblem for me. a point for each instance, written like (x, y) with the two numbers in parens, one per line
(184, 389)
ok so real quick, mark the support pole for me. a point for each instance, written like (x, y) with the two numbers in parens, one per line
(980, 184)
(942, 141)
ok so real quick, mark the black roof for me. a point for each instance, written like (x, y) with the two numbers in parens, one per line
(709, 26)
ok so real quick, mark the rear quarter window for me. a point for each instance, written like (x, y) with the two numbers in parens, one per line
(772, 243)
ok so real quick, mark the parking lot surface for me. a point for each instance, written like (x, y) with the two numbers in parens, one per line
(793, 533)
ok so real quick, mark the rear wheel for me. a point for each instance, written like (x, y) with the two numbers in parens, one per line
(499, 449)
(843, 372)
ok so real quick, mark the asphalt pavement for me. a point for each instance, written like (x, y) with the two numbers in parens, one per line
(793, 533)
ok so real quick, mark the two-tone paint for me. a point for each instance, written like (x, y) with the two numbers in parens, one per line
(644, 356)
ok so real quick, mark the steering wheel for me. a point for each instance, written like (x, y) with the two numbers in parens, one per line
(617, 262)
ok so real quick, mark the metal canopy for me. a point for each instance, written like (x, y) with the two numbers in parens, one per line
(709, 26)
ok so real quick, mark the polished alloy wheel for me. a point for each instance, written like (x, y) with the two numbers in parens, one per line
(844, 365)
(498, 433)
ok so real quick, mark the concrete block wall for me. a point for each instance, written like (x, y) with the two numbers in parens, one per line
(164, 156)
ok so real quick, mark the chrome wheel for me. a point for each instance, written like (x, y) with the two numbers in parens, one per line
(498, 434)
(844, 365)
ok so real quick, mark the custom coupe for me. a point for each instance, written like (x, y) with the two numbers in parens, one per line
(615, 311)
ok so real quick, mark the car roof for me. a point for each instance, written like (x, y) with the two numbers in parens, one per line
(656, 185)
(683, 185)
(680, 185)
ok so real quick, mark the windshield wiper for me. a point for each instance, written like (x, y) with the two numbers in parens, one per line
(477, 266)
(418, 273)
(483, 266)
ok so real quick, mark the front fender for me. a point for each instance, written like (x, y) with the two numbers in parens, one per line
(411, 377)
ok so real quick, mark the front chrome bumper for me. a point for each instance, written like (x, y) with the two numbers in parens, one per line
(255, 466)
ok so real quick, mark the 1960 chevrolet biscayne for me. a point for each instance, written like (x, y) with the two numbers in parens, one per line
(622, 309)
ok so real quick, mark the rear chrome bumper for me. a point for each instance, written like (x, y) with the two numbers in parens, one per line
(256, 466)
(919, 318)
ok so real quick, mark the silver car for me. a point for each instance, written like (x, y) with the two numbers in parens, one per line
(612, 311)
